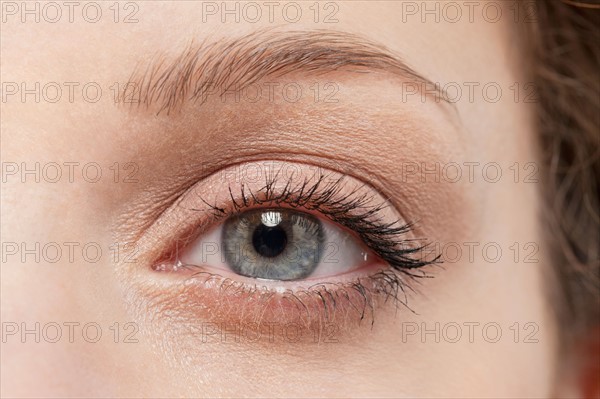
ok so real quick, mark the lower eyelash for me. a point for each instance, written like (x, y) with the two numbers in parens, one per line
(324, 302)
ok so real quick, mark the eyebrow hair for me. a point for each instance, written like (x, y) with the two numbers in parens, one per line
(233, 64)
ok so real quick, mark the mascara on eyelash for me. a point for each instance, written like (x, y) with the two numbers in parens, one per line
(358, 212)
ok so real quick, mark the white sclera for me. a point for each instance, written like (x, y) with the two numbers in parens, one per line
(342, 252)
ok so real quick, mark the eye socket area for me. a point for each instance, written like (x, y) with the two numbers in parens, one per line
(344, 286)
(279, 244)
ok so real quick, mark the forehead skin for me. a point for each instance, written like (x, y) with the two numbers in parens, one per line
(378, 365)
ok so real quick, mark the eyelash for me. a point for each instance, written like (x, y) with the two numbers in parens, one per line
(382, 238)
(359, 213)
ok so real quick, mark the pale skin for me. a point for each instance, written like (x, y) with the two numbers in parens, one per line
(370, 128)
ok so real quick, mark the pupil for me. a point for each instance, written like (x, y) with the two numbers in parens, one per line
(269, 241)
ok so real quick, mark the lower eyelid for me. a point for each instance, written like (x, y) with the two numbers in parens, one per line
(219, 300)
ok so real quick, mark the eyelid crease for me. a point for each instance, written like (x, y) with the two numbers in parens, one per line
(138, 220)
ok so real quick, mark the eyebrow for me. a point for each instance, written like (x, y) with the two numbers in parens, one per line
(232, 64)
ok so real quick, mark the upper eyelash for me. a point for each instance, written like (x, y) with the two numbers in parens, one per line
(355, 211)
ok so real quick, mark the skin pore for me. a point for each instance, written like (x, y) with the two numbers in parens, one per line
(368, 131)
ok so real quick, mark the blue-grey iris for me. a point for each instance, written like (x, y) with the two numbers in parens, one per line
(274, 244)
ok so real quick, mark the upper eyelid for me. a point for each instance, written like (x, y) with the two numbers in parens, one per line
(142, 214)
(219, 213)
(316, 182)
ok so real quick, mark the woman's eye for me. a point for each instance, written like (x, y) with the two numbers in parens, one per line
(277, 244)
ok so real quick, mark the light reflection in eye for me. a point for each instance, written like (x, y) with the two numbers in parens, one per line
(271, 218)
(278, 244)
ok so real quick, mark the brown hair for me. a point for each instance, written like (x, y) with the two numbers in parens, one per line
(565, 65)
